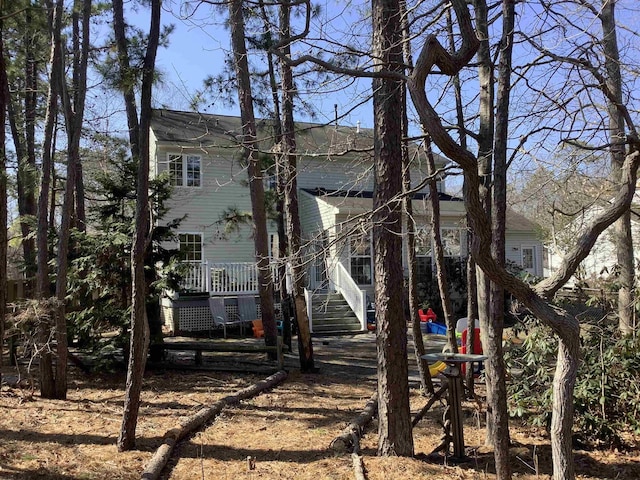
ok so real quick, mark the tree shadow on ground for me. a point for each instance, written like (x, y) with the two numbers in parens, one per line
(525, 458)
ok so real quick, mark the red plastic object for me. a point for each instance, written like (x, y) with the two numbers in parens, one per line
(477, 345)
(428, 316)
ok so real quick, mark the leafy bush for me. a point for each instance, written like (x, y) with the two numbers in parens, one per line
(99, 290)
(607, 391)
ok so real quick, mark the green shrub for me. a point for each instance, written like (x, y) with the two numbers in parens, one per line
(607, 391)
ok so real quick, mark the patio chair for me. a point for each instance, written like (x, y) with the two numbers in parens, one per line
(221, 317)
(247, 308)
(249, 313)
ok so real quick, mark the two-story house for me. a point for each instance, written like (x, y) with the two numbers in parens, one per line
(201, 153)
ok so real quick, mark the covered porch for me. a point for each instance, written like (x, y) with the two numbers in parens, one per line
(231, 280)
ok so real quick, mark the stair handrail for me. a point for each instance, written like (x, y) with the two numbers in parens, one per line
(344, 284)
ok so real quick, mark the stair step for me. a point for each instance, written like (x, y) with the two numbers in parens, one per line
(331, 313)
(343, 328)
(336, 321)
(332, 310)
(337, 316)
(335, 296)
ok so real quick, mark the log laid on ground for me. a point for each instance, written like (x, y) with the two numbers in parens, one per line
(358, 467)
(188, 426)
(207, 346)
(344, 442)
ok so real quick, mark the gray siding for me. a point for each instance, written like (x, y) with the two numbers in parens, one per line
(224, 186)
(515, 241)
(344, 173)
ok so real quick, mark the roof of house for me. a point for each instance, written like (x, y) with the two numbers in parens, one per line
(517, 222)
(203, 130)
(355, 202)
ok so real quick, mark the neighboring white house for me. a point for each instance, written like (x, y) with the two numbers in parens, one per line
(602, 260)
(335, 183)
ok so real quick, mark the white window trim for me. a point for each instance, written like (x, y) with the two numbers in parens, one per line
(201, 235)
(370, 257)
(460, 237)
(533, 248)
(460, 240)
(167, 162)
(270, 182)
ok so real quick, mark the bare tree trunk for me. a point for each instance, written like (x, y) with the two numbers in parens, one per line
(472, 314)
(564, 381)
(27, 164)
(305, 345)
(139, 140)
(61, 285)
(443, 283)
(279, 159)
(74, 115)
(622, 227)
(472, 284)
(256, 187)
(47, 379)
(43, 285)
(495, 365)
(80, 55)
(42, 278)
(394, 424)
(426, 385)
(3, 191)
(485, 171)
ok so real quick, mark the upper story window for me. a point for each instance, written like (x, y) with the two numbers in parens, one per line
(270, 182)
(184, 169)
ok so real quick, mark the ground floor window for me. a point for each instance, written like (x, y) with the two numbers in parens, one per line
(529, 259)
(190, 246)
(451, 242)
(424, 269)
(360, 253)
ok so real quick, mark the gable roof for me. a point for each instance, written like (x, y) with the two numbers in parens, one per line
(203, 130)
(515, 222)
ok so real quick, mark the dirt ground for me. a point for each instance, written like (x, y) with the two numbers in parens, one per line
(287, 431)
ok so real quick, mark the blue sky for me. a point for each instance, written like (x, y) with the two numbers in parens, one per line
(197, 49)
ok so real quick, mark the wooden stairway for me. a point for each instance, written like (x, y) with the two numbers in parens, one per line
(333, 315)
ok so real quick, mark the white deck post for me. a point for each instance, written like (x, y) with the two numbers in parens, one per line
(308, 299)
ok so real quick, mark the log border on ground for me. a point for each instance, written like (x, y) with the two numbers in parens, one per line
(160, 458)
(344, 442)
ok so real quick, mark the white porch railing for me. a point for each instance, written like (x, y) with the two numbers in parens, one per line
(196, 278)
(224, 278)
(233, 278)
(341, 281)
